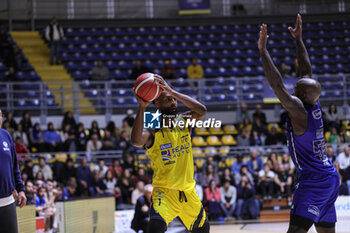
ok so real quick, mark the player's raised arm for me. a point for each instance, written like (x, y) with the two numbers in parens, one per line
(197, 111)
(140, 137)
(302, 54)
(292, 104)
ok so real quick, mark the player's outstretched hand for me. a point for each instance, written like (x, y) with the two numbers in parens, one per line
(162, 84)
(297, 31)
(141, 102)
(263, 37)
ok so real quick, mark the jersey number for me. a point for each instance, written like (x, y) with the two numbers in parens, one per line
(320, 149)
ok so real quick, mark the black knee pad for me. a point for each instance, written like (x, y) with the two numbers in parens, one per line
(156, 226)
(204, 229)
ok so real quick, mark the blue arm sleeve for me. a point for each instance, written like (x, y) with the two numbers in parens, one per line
(17, 174)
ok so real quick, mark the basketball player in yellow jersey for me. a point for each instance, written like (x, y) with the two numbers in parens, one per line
(170, 150)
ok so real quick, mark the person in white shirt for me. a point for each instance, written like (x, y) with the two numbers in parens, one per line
(228, 195)
(344, 159)
(266, 178)
(138, 192)
(101, 168)
(54, 34)
(93, 144)
(44, 168)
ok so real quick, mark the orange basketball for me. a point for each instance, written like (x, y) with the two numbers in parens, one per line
(146, 88)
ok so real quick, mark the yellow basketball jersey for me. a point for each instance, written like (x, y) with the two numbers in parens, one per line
(172, 160)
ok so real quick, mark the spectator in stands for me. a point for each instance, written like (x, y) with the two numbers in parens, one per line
(111, 128)
(64, 134)
(107, 144)
(273, 138)
(332, 117)
(199, 191)
(236, 166)
(69, 171)
(126, 186)
(255, 164)
(344, 136)
(110, 182)
(97, 186)
(330, 154)
(129, 118)
(344, 159)
(266, 178)
(244, 172)
(211, 161)
(247, 125)
(22, 135)
(71, 144)
(40, 201)
(283, 69)
(94, 144)
(198, 176)
(69, 119)
(259, 127)
(295, 68)
(29, 191)
(247, 204)
(54, 35)
(129, 163)
(138, 192)
(116, 169)
(125, 127)
(168, 71)
(242, 138)
(228, 195)
(44, 168)
(211, 175)
(243, 113)
(19, 60)
(288, 164)
(37, 138)
(256, 139)
(50, 201)
(20, 147)
(195, 70)
(283, 180)
(28, 169)
(212, 194)
(101, 168)
(6, 49)
(6, 126)
(273, 162)
(334, 137)
(259, 114)
(26, 122)
(81, 137)
(84, 177)
(40, 179)
(70, 190)
(110, 137)
(142, 211)
(11, 75)
(94, 129)
(141, 176)
(227, 176)
(123, 143)
(100, 72)
(138, 70)
(9, 117)
(52, 139)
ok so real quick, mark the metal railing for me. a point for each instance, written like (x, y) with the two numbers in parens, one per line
(110, 97)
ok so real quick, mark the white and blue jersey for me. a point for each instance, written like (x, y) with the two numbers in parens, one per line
(318, 184)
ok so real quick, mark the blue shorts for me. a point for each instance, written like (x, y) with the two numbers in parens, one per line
(314, 197)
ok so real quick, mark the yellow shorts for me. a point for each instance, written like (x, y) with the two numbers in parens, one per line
(168, 204)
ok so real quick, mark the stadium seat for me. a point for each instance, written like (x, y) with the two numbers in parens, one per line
(230, 129)
(198, 141)
(210, 151)
(213, 141)
(216, 131)
(228, 140)
(277, 127)
(201, 131)
(197, 152)
(224, 150)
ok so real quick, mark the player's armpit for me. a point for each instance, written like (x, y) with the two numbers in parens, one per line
(143, 140)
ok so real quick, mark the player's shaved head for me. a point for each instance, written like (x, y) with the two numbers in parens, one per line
(308, 90)
(166, 103)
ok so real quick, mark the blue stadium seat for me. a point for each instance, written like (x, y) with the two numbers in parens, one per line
(33, 76)
(221, 98)
(208, 98)
(21, 75)
(78, 75)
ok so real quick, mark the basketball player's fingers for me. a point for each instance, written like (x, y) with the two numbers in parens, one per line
(159, 77)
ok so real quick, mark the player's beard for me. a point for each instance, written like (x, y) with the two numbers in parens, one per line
(169, 111)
